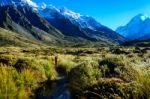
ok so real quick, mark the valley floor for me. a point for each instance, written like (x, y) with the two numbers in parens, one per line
(74, 73)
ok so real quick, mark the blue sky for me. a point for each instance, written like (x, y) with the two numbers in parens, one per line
(112, 13)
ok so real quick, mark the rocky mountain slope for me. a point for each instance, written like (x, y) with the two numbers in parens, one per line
(138, 28)
(74, 24)
(9, 38)
(53, 26)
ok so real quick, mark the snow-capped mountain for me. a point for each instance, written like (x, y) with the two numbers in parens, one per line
(137, 28)
(55, 26)
(18, 2)
(76, 18)
(21, 18)
(74, 24)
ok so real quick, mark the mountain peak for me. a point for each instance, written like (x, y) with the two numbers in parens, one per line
(63, 11)
(137, 28)
(43, 5)
(142, 17)
(70, 13)
(83, 21)
(18, 2)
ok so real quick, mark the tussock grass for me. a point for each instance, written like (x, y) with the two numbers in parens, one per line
(144, 83)
(83, 75)
(98, 73)
(117, 66)
(66, 63)
(11, 86)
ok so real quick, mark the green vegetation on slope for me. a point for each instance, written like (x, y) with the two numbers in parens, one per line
(137, 43)
(94, 72)
(8, 38)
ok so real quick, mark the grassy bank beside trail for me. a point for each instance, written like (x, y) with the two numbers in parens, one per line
(97, 73)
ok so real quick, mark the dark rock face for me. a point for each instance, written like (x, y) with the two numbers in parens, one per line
(59, 30)
(25, 20)
(73, 24)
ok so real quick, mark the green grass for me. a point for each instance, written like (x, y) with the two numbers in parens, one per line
(8, 38)
(83, 75)
(98, 73)
(11, 87)
(144, 83)
(117, 66)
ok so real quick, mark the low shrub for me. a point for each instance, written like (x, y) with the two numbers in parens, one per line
(24, 63)
(110, 88)
(117, 66)
(47, 68)
(29, 78)
(8, 59)
(66, 63)
(82, 76)
(11, 86)
(144, 83)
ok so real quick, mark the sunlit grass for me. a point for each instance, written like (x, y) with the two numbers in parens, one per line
(89, 71)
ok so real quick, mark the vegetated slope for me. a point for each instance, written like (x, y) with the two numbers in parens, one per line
(101, 73)
(8, 38)
(26, 21)
(138, 43)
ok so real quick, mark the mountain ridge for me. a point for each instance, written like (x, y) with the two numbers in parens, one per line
(63, 28)
(88, 26)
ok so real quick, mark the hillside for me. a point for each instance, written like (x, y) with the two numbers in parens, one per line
(137, 43)
(8, 38)
(74, 24)
(79, 73)
(26, 21)
(30, 24)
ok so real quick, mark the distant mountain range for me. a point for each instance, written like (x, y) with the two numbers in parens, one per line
(55, 26)
(137, 29)
(18, 2)
(74, 24)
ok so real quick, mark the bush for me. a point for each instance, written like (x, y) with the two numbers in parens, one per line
(47, 68)
(82, 76)
(30, 78)
(10, 84)
(8, 59)
(117, 66)
(24, 63)
(66, 63)
(144, 84)
(44, 67)
(110, 88)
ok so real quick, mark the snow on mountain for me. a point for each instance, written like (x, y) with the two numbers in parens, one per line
(138, 27)
(144, 17)
(43, 5)
(54, 24)
(74, 24)
(30, 2)
(18, 2)
(83, 21)
(69, 13)
(88, 22)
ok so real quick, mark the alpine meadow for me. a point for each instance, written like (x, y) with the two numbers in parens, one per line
(64, 49)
